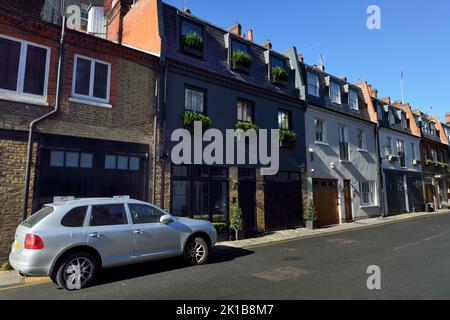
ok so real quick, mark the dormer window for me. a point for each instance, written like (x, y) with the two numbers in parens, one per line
(404, 121)
(241, 60)
(391, 118)
(192, 38)
(353, 100)
(335, 93)
(278, 70)
(313, 84)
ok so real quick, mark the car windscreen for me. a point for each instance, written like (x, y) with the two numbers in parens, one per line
(38, 216)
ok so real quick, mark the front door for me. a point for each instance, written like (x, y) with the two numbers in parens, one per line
(247, 198)
(395, 192)
(152, 238)
(348, 200)
(325, 193)
(415, 193)
(110, 234)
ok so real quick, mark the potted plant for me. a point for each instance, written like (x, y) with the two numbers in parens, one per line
(241, 61)
(192, 43)
(287, 138)
(237, 222)
(245, 126)
(190, 117)
(311, 215)
(223, 230)
(279, 75)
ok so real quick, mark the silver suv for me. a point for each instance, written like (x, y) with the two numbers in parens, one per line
(70, 241)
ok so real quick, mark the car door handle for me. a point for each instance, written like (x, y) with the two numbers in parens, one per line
(139, 232)
(95, 235)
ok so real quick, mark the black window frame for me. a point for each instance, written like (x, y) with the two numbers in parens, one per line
(183, 19)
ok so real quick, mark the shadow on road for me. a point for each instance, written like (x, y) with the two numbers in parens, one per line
(219, 255)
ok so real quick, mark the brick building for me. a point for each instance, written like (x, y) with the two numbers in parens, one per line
(98, 143)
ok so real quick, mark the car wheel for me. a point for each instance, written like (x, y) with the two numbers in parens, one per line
(196, 251)
(77, 271)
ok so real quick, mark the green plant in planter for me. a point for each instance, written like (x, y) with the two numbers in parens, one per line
(5, 266)
(237, 219)
(189, 117)
(279, 74)
(221, 227)
(310, 211)
(288, 136)
(245, 126)
(242, 58)
(193, 40)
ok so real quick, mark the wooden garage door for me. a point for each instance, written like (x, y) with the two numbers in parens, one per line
(326, 201)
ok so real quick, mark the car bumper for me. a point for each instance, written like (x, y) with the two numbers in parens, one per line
(25, 265)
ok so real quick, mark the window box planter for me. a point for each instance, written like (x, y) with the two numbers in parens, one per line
(287, 138)
(393, 158)
(279, 76)
(192, 44)
(241, 61)
(190, 117)
(245, 126)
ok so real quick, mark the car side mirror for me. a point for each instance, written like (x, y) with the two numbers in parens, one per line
(166, 219)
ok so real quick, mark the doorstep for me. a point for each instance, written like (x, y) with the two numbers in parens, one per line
(287, 235)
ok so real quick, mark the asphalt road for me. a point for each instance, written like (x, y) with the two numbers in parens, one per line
(414, 257)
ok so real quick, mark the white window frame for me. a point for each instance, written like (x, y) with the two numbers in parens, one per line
(363, 137)
(316, 85)
(336, 85)
(346, 140)
(22, 65)
(371, 193)
(356, 107)
(324, 131)
(90, 97)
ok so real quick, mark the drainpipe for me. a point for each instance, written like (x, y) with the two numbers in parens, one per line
(380, 172)
(35, 122)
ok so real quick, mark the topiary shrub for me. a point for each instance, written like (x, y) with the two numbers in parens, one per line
(310, 211)
(237, 219)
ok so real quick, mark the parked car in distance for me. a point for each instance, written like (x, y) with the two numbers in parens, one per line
(72, 240)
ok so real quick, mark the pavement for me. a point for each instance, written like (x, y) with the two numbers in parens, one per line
(413, 256)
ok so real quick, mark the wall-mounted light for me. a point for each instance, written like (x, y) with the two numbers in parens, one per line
(311, 154)
(332, 165)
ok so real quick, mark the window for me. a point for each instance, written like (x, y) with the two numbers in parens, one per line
(367, 193)
(23, 67)
(108, 215)
(245, 111)
(37, 217)
(194, 99)
(278, 62)
(434, 155)
(91, 79)
(404, 121)
(391, 118)
(283, 120)
(71, 159)
(388, 146)
(413, 151)
(143, 214)
(239, 46)
(353, 100)
(361, 136)
(123, 163)
(401, 152)
(335, 93)
(313, 84)
(190, 27)
(343, 143)
(75, 218)
(320, 130)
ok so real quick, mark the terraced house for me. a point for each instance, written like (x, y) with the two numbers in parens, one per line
(399, 145)
(89, 105)
(222, 76)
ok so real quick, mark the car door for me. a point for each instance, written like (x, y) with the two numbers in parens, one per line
(153, 239)
(110, 233)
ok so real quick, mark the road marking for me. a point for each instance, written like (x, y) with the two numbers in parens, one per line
(22, 286)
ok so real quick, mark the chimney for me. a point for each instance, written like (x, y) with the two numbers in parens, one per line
(344, 78)
(236, 29)
(386, 100)
(374, 93)
(321, 67)
(114, 20)
(250, 35)
(447, 118)
(267, 44)
(300, 58)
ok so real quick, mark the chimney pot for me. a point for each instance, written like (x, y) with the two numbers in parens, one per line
(375, 93)
(267, 44)
(250, 34)
(300, 58)
(447, 118)
(236, 29)
(344, 78)
(386, 100)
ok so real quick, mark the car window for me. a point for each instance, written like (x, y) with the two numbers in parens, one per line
(38, 216)
(75, 217)
(142, 213)
(108, 215)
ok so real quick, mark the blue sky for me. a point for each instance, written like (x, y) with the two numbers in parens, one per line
(415, 37)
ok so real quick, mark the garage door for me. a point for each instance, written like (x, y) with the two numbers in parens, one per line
(283, 202)
(326, 202)
(415, 193)
(395, 191)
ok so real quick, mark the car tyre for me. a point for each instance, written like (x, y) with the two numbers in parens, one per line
(77, 271)
(196, 251)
